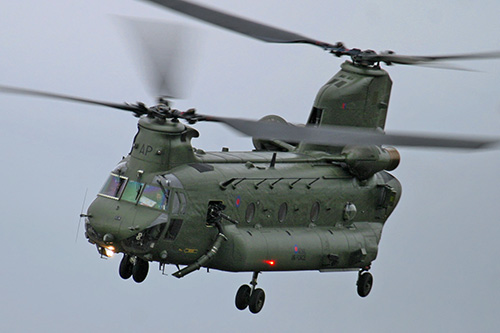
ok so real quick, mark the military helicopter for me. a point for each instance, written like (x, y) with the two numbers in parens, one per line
(311, 197)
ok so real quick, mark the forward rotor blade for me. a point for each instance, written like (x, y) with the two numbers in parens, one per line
(417, 60)
(166, 53)
(340, 136)
(238, 24)
(136, 109)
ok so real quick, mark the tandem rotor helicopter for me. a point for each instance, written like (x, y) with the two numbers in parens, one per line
(312, 197)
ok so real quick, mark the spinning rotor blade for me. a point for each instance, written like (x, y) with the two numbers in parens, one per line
(165, 50)
(138, 109)
(389, 58)
(330, 136)
(340, 136)
(275, 35)
(244, 26)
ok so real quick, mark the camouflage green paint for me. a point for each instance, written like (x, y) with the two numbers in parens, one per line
(307, 210)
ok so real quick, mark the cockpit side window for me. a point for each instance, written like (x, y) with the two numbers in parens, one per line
(113, 187)
(182, 199)
(179, 203)
(154, 197)
(175, 204)
(132, 191)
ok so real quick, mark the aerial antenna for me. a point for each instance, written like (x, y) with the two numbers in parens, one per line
(81, 215)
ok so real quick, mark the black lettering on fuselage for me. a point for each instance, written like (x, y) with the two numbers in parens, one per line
(145, 150)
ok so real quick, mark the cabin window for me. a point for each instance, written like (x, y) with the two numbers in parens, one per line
(113, 187)
(132, 191)
(154, 197)
(250, 212)
(315, 212)
(349, 211)
(282, 212)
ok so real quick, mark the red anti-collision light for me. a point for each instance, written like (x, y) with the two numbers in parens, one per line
(270, 262)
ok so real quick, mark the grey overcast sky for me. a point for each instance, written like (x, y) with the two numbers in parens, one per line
(437, 269)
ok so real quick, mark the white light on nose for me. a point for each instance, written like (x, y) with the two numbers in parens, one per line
(109, 251)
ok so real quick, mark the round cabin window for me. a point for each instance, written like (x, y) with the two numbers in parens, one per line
(314, 212)
(349, 211)
(282, 212)
(250, 212)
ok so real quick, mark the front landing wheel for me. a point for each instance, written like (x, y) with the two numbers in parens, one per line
(140, 270)
(365, 283)
(125, 267)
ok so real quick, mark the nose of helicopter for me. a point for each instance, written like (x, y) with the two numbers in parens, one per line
(103, 221)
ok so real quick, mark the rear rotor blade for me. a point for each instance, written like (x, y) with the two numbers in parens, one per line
(341, 136)
(276, 35)
(238, 24)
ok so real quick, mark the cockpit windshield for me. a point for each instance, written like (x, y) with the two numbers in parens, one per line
(132, 191)
(113, 187)
(121, 188)
(154, 197)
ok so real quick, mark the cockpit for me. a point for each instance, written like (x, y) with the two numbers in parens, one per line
(157, 195)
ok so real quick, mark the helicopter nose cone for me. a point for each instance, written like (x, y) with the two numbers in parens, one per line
(103, 221)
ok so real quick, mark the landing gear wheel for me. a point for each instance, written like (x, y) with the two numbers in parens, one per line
(126, 267)
(140, 270)
(257, 300)
(243, 297)
(365, 283)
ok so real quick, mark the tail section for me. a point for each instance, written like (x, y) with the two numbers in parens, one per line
(356, 97)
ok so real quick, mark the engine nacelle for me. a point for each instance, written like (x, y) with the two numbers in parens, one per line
(365, 161)
(273, 145)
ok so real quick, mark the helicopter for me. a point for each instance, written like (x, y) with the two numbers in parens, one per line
(305, 199)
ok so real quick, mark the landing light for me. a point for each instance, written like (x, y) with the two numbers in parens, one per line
(109, 251)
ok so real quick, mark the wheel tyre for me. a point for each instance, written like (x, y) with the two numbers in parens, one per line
(140, 270)
(257, 300)
(126, 267)
(365, 283)
(243, 297)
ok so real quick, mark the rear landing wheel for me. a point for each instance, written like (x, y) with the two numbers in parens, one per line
(365, 283)
(243, 297)
(257, 300)
(250, 297)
